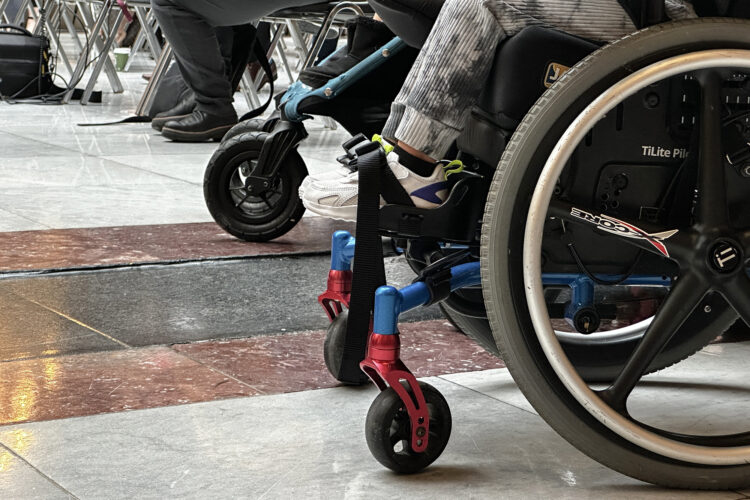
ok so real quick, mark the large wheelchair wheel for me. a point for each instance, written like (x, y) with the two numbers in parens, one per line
(705, 258)
(259, 215)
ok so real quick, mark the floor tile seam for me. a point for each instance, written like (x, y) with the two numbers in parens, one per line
(38, 471)
(37, 139)
(5, 209)
(78, 322)
(261, 392)
(52, 272)
(183, 181)
(442, 377)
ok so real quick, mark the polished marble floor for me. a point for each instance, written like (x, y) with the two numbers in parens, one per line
(144, 353)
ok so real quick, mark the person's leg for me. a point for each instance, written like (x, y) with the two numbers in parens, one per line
(445, 81)
(430, 111)
(197, 52)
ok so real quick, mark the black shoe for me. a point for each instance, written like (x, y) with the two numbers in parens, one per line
(199, 126)
(364, 36)
(181, 110)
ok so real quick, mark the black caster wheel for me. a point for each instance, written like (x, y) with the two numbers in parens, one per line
(251, 125)
(388, 430)
(333, 349)
(252, 216)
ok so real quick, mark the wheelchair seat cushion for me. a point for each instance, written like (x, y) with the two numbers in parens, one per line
(411, 20)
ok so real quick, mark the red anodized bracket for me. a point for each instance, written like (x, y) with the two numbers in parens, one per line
(337, 294)
(384, 366)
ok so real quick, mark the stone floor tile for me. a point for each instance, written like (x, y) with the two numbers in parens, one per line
(497, 384)
(198, 301)
(18, 480)
(109, 246)
(110, 205)
(103, 382)
(294, 362)
(28, 330)
(311, 444)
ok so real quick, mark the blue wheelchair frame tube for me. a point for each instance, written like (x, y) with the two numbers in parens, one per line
(391, 302)
(342, 251)
(298, 91)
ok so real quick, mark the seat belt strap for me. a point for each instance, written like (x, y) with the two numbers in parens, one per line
(368, 271)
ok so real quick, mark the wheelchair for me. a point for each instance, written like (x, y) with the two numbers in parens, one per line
(610, 242)
(252, 180)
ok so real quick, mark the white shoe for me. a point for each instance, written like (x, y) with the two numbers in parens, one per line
(332, 175)
(337, 198)
(340, 172)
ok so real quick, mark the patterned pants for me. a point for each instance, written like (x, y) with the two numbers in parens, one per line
(447, 77)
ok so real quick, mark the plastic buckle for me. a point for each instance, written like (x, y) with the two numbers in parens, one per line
(350, 158)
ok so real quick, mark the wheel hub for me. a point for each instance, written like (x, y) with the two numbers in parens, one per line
(725, 257)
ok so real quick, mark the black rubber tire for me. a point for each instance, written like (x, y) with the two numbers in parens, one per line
(282, 214)
(333, 348)
(251, 125)
(502, 246)
(387, 419)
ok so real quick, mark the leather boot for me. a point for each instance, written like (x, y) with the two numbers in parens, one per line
(181, 110)
(199, 126)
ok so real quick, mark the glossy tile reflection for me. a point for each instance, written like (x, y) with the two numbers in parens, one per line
(109, 246)
(88, 384)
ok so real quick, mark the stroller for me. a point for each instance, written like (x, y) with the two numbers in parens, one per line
(610, 242)
(252, 180)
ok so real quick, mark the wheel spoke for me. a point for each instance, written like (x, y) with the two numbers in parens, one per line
(677, 245)
(712, 203)
(737, 293)
(264, 197)
(242, 200)
(685, 295)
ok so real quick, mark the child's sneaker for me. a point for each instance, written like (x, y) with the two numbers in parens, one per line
(337, 198)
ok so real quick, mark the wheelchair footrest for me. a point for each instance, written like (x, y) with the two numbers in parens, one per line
(456, 220)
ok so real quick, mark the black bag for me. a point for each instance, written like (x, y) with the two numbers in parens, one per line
(24, 63)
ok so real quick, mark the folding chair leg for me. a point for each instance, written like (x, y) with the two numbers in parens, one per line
(162, 64)
(3, 16)
(109, 67)
(149, 26)
(103, 58)
(83, 60)
(70, 26)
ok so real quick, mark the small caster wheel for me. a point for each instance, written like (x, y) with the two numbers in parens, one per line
(252, 215)
(388, 430)
(333, 349)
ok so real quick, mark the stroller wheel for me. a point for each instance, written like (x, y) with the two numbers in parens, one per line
(252, 215)
(662, 430)
(333, 348)
(251, 125)
(388, 430)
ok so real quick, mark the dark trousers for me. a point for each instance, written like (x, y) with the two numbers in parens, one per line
(190, 26)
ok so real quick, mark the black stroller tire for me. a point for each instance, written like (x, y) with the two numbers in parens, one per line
(251, 125)
(503, 246)
(262, 216)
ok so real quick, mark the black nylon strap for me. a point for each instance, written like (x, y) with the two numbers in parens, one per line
(260, 54)
(368, 272)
